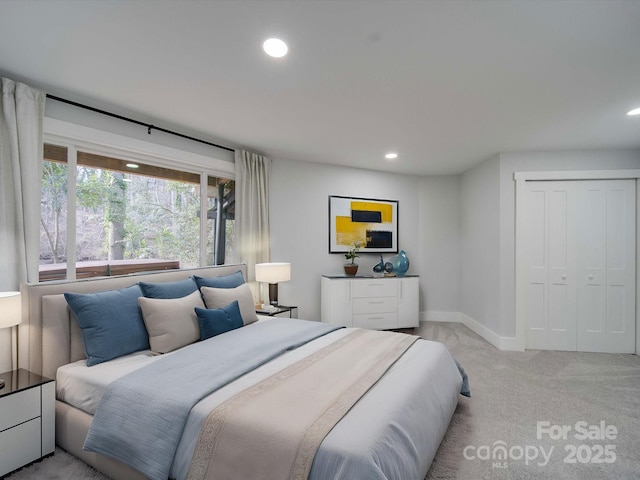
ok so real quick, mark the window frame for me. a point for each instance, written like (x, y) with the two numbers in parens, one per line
(78, 137)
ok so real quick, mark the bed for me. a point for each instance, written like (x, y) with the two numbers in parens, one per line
(392, 430)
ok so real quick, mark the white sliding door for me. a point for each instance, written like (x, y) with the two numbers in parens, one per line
(552, 285)
(580, 247)
(606, 271)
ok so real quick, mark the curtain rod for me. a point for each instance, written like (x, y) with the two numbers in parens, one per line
(131, 120)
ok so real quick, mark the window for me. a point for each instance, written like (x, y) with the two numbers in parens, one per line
(129, 216)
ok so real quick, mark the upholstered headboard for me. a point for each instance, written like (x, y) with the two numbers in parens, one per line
(49, 336)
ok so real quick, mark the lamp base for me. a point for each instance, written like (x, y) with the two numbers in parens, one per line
(273, 294)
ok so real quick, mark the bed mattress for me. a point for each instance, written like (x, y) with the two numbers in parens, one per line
(382, 437)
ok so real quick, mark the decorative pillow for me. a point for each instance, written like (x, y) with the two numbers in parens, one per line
(225, 281)
(111, 323)
(220, 297)
(171, 322)
(219, 320)
(178, 289)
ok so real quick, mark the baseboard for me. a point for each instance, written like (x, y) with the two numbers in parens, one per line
(510, 344)
(486, 333)
(501, 343)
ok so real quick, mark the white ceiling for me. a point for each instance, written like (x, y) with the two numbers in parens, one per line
(446, 84)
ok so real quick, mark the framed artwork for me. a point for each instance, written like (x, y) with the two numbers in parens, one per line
(372, 222)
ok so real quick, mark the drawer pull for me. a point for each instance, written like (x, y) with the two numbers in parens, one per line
(375, 302)
(375, 318)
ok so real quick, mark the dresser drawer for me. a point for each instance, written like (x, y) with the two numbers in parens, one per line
(373, 321)
(19, 445)
(19, 407)
(374, 288)
(375, 305)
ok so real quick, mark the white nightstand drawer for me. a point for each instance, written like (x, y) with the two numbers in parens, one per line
(373, 321)
(19, 445)
(19, 407)
(373, 288)
(375, 305)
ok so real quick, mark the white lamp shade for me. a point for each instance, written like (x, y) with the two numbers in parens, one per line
(273, 272)
(10, 309)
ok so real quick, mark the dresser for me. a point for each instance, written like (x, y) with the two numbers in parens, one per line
(27, 419)
(378, 303)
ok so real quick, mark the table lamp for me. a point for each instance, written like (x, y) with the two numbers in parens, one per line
(10, 312)
(272, 273)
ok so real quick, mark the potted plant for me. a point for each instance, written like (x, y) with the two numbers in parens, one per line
(352, 267)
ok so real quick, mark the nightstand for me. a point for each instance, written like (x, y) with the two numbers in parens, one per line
(27, 419)
(278, 310)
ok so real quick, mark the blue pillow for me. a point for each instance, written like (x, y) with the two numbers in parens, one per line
(225, 281)
(178, 289)
(111, 323)
(219, 320)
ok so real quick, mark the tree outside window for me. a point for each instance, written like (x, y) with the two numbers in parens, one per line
(128, 217)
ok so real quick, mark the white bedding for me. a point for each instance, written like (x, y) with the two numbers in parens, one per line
(384, 436)
(82, 386)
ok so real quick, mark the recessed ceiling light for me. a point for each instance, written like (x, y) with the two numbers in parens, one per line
(391, 156)
(133, 165)
(635, 111)
(275, 47)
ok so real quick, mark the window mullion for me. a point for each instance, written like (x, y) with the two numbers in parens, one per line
(203, 218)
(72, 174)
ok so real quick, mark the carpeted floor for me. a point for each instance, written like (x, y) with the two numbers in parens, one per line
(61, 466)
(511, 393)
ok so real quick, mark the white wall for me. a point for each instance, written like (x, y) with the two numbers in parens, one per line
(429, 229)
(439, 240)
(87, 118)
(479, 243)
(299, 218)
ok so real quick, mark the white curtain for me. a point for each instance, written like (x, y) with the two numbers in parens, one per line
(21, 118)
(252, 212)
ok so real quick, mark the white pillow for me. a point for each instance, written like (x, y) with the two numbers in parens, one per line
(221, 297)
(171, 323)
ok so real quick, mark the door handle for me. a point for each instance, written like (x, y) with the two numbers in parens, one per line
(590, 277)
(564, 277)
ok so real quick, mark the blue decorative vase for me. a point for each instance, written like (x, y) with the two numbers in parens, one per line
(379, 268)
(400, 263)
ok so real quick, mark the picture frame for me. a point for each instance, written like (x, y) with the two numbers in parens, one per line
(371, 221)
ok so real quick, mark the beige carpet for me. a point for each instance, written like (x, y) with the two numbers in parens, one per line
(511, 392)
(61, 466)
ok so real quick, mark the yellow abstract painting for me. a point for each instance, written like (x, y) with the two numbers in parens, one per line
(371, 222)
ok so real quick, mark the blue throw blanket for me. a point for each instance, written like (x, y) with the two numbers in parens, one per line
(464, 388)
(140, 418)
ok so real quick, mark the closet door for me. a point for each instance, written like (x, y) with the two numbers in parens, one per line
(606, 249)
(551, 312)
